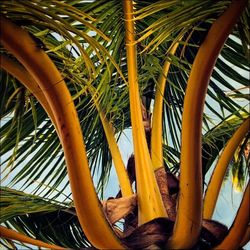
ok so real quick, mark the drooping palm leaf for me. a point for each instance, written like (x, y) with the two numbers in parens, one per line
(48, 221)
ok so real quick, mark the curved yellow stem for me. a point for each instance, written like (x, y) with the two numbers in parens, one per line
(19, 72)
(13, 235)
(149, 199)
(38, 64)
(217, 177)
(156, 133)
(239, 227)
(188, 223)
(124, 182)
(22, 75)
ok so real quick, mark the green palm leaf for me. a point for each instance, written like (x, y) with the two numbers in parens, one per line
(47, 220)
(86, 42)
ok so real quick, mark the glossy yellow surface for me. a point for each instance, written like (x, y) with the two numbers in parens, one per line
(156, 134)
(219, 172)
(239, 227)
(188, 223)
(149, 199)
(124, 182)
(44, 72)
(20, 73)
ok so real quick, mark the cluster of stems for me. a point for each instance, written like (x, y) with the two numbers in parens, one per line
(39, 74)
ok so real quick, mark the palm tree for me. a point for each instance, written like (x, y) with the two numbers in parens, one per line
(75, 75)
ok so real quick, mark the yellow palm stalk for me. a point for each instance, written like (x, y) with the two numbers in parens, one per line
(124, 182)
(217, 177)
(149, 198)
(240, 225)
(156, 133)
(22, 75)
(189, 215)
(13, 235)
(42, 69)
(26, 79)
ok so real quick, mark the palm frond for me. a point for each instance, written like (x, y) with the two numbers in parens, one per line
(86, 42)
(44, 219)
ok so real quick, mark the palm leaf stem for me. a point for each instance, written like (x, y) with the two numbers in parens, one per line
(7, 233)
(123, 178)
(156, 133)
(26, 79)
(38, 64)
(217, 177)
(149, 199)
(22, 75)
(240, 225)
(189, 215)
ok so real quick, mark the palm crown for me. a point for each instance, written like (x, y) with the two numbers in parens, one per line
(149, 66)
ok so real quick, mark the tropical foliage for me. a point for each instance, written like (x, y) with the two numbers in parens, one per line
(76, 75)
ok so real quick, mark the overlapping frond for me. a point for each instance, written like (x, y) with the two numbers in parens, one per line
(54, 223)
(86, 41)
